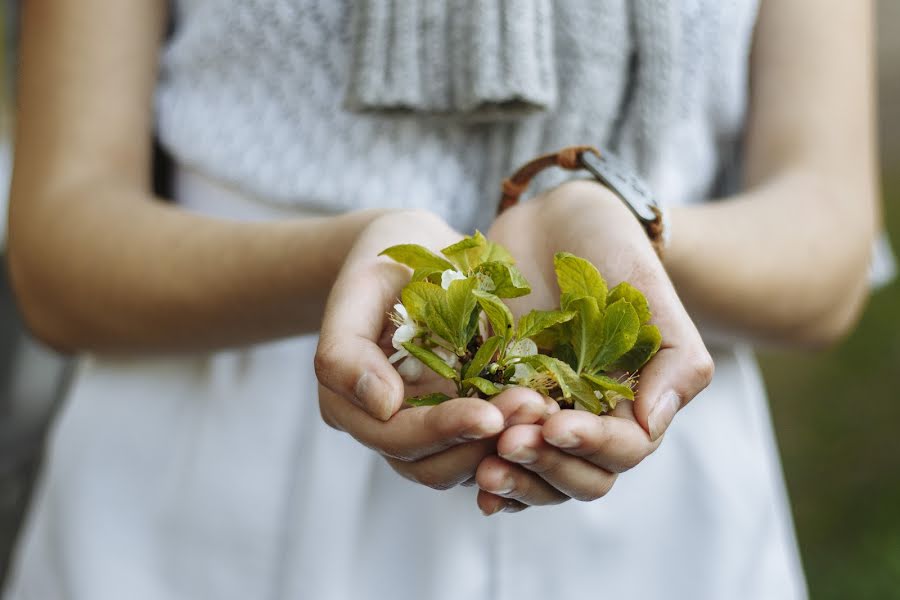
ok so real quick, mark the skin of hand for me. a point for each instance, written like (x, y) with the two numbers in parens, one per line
(576, 454)
(361, 393)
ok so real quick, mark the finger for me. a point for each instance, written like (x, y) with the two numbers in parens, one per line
(668, 382)
(613, 442)
(511, 481)
(416, 432)
(447, 468)
(349, 360)
(491, 504)
(571, 475)
(521, 405)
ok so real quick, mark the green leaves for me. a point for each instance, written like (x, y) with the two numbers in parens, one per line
(497, 312)
(537, 321)
(565, 353)
(416, 257)
(578, 278)
(629, 293)
(432, 361)
(471, 252)
(483, 357)
(618, 332)
(646, 345)
(505, 278)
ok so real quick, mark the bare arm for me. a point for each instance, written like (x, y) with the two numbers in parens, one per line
(787, 260)
(96, 262)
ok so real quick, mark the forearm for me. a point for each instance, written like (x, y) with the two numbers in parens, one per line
(107, 269)
(785, 262)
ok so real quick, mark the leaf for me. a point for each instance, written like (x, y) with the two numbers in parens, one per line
(648, 341)
(466, 253)
(483, 357)
(488, 388)
(470, 252)
(578, 278)
(537, 321)
(498, 313)
(507, 279)
(427, 274)
(428, 399)
(427, 303)
(570, 384)
(553, 336)
(432, 361)
(626, 291)
(619, 330)
(585, 331)
(461, 303)
(565, 353)
(612, 390)
(416, 257)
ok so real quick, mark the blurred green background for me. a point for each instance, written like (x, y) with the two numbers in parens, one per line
(836, 413)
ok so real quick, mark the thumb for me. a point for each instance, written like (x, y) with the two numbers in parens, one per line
(668, 382)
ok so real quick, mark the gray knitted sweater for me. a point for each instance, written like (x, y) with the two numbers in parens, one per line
(425, 103)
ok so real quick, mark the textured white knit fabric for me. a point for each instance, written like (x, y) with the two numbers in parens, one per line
(252, 94)
(212, 475)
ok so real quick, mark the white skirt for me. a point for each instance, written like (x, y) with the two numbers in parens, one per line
(212, 476)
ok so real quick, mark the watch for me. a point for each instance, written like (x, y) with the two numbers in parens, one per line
(608, 170)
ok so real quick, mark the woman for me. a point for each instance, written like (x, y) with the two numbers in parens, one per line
(189, 460)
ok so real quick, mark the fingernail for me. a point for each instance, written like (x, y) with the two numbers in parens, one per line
(566, 439)
(504, 488)
(494, 510)
(663, 413)
(485, 428)
(370, 394)
(512, 506)
(522, 455)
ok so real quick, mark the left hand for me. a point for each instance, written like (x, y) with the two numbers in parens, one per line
(576, 454)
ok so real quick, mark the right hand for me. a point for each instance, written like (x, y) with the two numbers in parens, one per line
(361, 392)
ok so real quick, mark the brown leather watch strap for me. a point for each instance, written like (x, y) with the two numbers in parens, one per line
(568, 158)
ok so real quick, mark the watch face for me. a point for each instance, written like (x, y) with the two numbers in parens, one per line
(622, 180)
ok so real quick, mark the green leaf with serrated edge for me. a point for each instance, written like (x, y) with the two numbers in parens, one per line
(579, 278)
(538, 320)
(427, 274)
(416, 257)
(466, 253)
(585, 330)
(494, 252)
(619, 329)
(483, 357)
(570, 384)
(608, 384)
(428, 399)
(488, 388)
(432, 361)
(507, 279)
(418, 297)
(626, 291)
(648, 342)
(497, 312)
(461, 303)
(426, 303)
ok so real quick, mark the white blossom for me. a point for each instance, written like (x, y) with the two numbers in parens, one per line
(406, 331)
(411, 369)
(449, 276)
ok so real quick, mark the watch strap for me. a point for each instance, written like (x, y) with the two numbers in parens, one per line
(608, 170)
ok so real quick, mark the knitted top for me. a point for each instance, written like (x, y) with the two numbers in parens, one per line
(270, 96)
